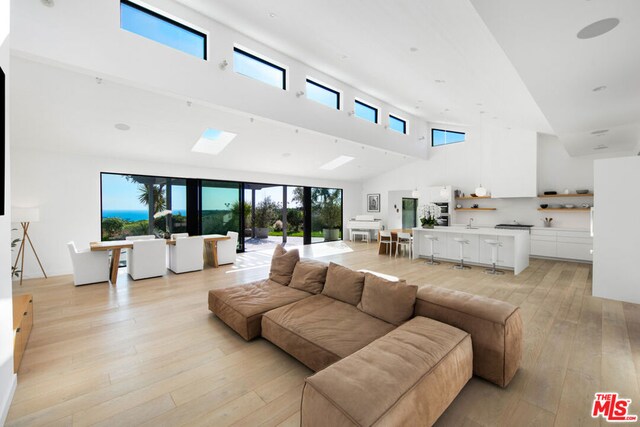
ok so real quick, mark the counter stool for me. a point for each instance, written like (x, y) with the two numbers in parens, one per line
(385, 239)
(430, 238)
(404, 241)
(494, 256)
(461, 241)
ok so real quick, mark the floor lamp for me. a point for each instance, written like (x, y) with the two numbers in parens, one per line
(25, 216)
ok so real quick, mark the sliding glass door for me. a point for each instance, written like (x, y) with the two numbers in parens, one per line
(264, 215)
(220, 207)
(326, 214)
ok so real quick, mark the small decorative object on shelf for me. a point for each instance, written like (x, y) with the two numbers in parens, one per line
(547, 222)
(481, 191)
(475, 206)
(430, 214)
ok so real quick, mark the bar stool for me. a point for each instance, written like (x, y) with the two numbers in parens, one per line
(430, 238)
(461, 241)
(494, 256)
(404, 241)
(385, 239)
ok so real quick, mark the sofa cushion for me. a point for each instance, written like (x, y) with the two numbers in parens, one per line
(391, 301)
(282, 264)
(495, 328)
(309, 275)
(343, 284)
(319, 330)
(241, 307)
(408, 377)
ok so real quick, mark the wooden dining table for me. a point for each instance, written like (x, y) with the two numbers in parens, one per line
(394, 240)
(116, 247)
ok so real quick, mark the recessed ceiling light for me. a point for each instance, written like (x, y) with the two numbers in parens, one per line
(599, 88)
(48, 3)
(598, 28)
(336, 163)
(344, 57)
(122, 126)
(213, 141)
(286, 154)
(413, 49)
(417, 107)
(600, 147)
(272, 15)
(440, 81)
(446, 109)
(481, 112)
(599, 132)
(478, 104)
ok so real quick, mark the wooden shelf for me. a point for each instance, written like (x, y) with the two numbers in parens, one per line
(542, 196)
(565, 209)
(472, 198)
(475, 209)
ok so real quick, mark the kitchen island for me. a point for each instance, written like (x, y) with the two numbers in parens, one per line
(513, 254)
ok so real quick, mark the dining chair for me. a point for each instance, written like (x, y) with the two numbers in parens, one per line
(405, 241)
(227, 249)
(148, 258)
(385, 239)
(186, 254)
(88, 267)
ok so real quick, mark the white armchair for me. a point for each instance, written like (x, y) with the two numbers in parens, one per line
(88, 267)
(145, 237)
(186, 255)
(227, 249)
(178, 235)
(148, 258)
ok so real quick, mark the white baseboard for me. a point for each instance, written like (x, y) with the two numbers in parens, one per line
(4, 406)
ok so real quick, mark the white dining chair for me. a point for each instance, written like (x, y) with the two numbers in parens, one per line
(127, 252)
(88, 267)
(147, 259)
(405, 241)
(385, 239)
(227, 249)
(144, 237)
(186, 254)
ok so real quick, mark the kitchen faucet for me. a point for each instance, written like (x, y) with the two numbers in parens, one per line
(469, 225)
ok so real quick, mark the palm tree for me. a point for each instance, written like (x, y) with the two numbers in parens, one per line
(151, 195)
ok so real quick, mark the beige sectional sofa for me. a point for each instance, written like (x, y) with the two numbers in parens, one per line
(384, 352)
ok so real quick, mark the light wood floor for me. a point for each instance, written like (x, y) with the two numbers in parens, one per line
(150, 352)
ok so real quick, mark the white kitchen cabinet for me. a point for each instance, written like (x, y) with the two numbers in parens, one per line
(565, 244)
(506, 251)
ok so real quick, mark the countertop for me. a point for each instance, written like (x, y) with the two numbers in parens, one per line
(561, 229)
(480, 230)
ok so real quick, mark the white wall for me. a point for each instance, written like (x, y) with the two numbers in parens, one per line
(616, 230)
(66, 188)
(7, 377)
(394, 215)
(86, 36)
(469, 164)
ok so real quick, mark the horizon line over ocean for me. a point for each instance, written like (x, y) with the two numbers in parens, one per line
(132, 215)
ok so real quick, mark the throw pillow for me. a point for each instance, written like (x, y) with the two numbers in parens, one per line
(343, 284)
(387, 300)
(309, 276)
(283, 263)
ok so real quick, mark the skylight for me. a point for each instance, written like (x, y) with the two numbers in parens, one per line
(336, 163)
(213, 141)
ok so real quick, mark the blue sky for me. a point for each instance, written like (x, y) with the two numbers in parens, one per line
(322, 95)
(249, 67)
(141, 23)
(120, 194)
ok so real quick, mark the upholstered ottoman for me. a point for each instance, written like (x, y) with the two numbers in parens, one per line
(495, 328)
(407, 377)
(241, 307)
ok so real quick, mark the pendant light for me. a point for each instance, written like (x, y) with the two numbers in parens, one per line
(481, 191)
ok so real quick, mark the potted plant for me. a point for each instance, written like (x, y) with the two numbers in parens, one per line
(331, 218)
(264, 217)
(430, 215)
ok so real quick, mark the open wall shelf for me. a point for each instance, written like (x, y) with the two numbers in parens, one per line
(475, 209)
(542, 196)
(565, 209)
(472, 198)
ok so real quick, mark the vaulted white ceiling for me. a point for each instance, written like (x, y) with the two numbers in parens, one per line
(561, 71)
(53, 108)
(435, 59)
(512, 63)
